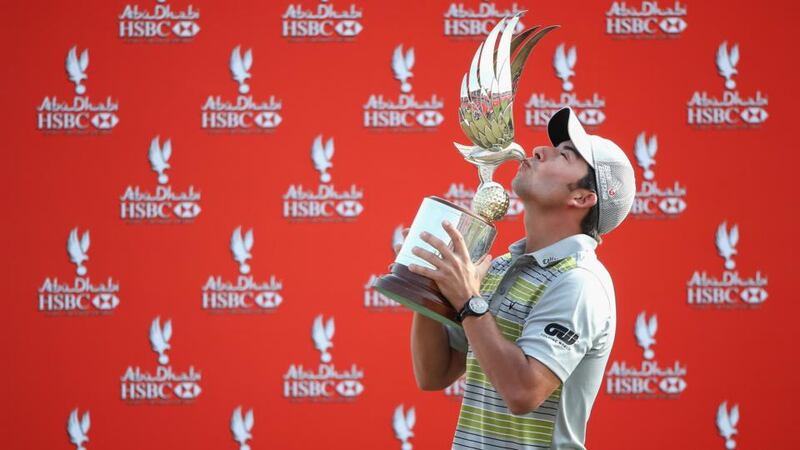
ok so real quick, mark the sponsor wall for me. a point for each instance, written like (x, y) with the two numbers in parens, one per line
(199, 197)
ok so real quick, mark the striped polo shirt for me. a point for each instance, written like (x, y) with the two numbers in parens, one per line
(557, 304)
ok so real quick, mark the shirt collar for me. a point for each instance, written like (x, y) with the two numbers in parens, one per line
(557, 251)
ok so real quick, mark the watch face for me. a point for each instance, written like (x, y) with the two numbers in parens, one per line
(478, 305)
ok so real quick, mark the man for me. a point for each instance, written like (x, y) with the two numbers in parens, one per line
(534, 364)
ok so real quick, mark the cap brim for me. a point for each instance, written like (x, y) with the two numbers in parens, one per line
(565, 126)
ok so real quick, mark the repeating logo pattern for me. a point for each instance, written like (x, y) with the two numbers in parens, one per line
(731, 289)
(540, 107)
(244, 114)
(325, 203)
(649, 379)
(245, 294)
(81, 297)
(735, 102)
(165, 385)
(647, 21)
(321, 22)
(326, 383)
(405, 113)
(80, 115)
(732, 109)
(162, 24)
(164, 204)
(652, 201)
(463, 22)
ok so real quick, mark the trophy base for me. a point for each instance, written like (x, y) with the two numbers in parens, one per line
(417, 293)
(421, 293)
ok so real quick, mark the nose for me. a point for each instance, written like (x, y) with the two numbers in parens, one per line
(542, 153)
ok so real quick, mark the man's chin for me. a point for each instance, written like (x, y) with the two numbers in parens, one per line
(523, 192)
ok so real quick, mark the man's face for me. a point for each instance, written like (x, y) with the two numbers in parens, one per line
(549, 176)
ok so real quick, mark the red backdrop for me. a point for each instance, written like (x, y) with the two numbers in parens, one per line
(630, 76)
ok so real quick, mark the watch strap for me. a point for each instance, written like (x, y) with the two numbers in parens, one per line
(466, 311)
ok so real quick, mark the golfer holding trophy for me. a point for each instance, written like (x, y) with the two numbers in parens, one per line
(531, 329)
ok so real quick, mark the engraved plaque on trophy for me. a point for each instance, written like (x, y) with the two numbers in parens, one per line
(486, 117)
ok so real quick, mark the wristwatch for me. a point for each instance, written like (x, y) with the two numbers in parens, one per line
(475, 306)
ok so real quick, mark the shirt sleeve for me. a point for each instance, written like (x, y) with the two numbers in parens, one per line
(457, 338)
(565, 324)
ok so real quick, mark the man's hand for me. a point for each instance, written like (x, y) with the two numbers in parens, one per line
(456, 276)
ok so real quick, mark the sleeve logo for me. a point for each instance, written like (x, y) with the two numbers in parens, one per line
(561, 333)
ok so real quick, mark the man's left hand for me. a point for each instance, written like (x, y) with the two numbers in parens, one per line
(456, 276)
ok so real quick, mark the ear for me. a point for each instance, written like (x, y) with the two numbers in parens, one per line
(582, 199)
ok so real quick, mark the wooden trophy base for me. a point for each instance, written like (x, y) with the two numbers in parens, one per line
(418, 293)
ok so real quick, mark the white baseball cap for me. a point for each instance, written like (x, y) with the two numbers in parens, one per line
(616, 185)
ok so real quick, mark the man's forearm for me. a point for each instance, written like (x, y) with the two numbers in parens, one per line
(502, 361)
(436, 365)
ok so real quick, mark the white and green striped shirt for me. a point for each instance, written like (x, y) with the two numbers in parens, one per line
(557, 304)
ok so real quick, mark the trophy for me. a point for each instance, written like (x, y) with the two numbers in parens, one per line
(486, 116)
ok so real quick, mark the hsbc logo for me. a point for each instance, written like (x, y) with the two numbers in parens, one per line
(406, 112)
(754, 115)
(429, 119)
(349, 208)
(589, 110)
(732, 109)
(731, 289)
(162, 24)
(672, 385)
(591, 117)
(325, 203)
(245, 294)
(648, 379)
(81, 296)
(463, 196)
(163, 204)
(653, 201)
(321, 22)
(323, 383)
(104, 121)
(78, 115)
(164, 385)
(243, 114)
(648, 21)
(462, 22)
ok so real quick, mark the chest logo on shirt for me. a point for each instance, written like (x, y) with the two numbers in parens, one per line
(562, 333)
